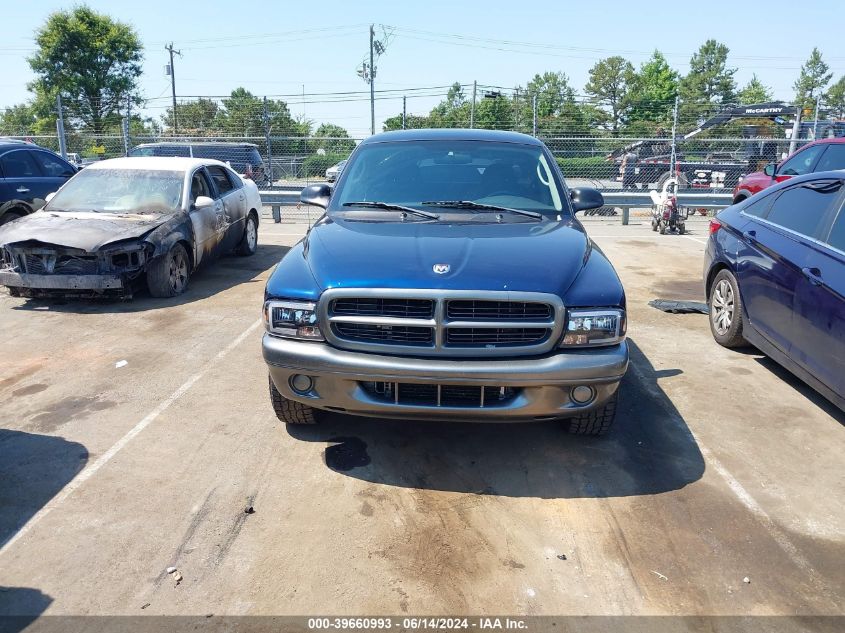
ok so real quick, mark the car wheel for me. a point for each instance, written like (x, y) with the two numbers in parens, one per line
(9, 216)
(14, 291)
(167, 276)
(249, 242)
(725, 308)
(290, 411)
(597, 421)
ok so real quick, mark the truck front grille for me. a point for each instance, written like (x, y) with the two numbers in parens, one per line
(441, 322)
(439, 395)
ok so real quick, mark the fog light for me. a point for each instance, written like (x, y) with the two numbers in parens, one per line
(582, 394)
(301, 383)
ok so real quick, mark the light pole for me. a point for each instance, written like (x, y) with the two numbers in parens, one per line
(169, 49)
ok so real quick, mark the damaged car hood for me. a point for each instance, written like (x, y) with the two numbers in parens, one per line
(86, 230)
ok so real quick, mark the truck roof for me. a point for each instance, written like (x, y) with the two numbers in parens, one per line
(457, 134)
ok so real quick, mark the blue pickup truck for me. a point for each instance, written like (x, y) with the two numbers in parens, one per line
(448, 279)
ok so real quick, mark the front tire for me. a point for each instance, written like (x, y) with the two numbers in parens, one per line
(597, 421)
(167, 276)
(249, 242)
(290, 411)
(725, 310)
(9, 216)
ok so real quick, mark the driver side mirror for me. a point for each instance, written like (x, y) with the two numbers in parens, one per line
(203, 202)
(769, 170)
(584, 198)
(316, 195)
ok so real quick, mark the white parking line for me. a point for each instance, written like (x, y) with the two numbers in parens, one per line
(91, 470)
(690, 237)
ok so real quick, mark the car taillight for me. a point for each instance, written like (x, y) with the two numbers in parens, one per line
(715, 225)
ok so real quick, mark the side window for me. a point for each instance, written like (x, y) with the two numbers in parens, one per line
(199, 187)
(221, 179)
(802, 162)
(237, 183)
(52, 165)
(803, 209)
(19, 164)
(837, 233)
(759, 207)
(833, 158)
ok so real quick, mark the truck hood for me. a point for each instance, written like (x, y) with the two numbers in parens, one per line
(87, 231)
(520, 256)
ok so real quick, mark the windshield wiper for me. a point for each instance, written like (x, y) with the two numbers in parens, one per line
(392, 207)
(469, 204)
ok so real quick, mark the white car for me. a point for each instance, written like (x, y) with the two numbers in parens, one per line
(125, 221)
(333, 172)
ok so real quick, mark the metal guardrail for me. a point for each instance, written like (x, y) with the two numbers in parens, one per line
(626, 200)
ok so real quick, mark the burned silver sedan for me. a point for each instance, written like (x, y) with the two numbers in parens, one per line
(128, 221)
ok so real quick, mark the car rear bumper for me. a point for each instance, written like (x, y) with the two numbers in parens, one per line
(60, 282)
(540, 387)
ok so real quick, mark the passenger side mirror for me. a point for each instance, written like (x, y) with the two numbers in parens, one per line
(584, 198)
(317, 195)
(49, 196)
(203, 202)
(770, 170)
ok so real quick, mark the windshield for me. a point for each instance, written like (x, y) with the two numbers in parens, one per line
(412, 172)
(120, 191)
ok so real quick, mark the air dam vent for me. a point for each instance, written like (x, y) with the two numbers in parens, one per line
(439, 395)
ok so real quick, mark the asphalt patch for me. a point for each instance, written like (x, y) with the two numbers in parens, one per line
(346, 453)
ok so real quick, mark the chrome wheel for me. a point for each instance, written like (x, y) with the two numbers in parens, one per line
(251, 234)
(722, 307)
(178, 271)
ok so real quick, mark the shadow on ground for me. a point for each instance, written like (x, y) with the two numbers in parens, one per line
(19, 606)
(650, 450)
(209, 280)
(801, 387)
(33, 469)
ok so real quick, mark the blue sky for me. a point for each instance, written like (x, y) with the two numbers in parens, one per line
(276, 48)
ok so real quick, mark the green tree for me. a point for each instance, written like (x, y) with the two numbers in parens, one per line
(494, 113)
(333, 139)
(412, 122)
(453, 111)
(609, 84)
(812, 80)
(195, 118)
(243, 115)
(651, 96)
(92, 61)
(834, 98)
(754, 92)
(553, 92)
(709, 84)
(18, 120)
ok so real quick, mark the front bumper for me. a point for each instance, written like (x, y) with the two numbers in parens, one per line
(542, 384)
(60, 282)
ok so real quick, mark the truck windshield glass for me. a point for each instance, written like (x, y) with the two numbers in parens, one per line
(120, 191)
(412, 172)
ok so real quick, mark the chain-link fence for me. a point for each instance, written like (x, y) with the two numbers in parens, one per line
(592, 141)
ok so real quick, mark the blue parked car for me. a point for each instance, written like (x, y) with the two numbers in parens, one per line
(775, 278)
(449, 279)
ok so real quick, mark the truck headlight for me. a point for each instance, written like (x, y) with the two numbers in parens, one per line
(292, 319)
(593, 328)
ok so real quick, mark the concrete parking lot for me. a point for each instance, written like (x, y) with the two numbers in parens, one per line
(718, 492)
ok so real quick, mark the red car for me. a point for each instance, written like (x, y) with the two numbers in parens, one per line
(822, 155)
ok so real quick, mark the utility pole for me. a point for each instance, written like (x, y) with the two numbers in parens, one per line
(796, 129)
(472, 108)
(816, 122)
(534, 109)
(269, 169)
(404, 111)
(60, 127)
(516, 109)
(372, 85)
(674, 156)
(126, 122)
(169, 49)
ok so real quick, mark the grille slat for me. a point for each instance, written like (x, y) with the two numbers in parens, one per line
(482, 310)
(395, 334)
(425, 394)
(400, 308)
(495, 336)
(65, 265)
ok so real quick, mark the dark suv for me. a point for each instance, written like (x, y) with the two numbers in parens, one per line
(244, 158)
(27, 174)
